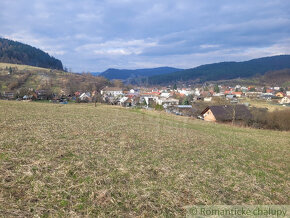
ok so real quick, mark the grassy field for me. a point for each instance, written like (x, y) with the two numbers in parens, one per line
(23, 77)
(23, 67)
(77, 160)
(35, 77)
(272, 106)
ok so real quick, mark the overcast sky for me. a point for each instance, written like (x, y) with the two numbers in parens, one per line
(93, 35)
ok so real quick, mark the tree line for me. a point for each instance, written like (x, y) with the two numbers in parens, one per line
(18, 53)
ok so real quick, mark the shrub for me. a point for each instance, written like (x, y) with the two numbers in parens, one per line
(78, 100)
(279, 119)
(158, 107)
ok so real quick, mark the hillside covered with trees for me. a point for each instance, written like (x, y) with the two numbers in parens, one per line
(225, 70)
(18, 53)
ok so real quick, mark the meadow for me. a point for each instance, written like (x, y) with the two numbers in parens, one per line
(19, 78)
(24, 76)
(271, 106)
(81, 160)
(23, 67)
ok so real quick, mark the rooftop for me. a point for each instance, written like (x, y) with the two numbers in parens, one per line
(226, 112)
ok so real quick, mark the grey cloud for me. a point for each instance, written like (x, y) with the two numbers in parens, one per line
(94, 35)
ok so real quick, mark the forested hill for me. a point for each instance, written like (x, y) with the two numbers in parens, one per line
(126, 74)
(18, 53)
(225, 70)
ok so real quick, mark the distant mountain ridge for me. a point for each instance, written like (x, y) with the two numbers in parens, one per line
(95, 73)
(225, 70)
(18, 53)
(124, 74)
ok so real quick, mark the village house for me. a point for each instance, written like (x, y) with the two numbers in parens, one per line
(167, 101)
(131, 94)
(151, 93)
(251, 88)
(111, 100)
(267, 96)
(177, 94)
(8, 95)
(226, 113)
(206, 94)
(77, 94)
(237, 94)
(125, 102)
(128, 103)
(244, 89)
(27, 97)
(112, 91)
(253, 94)
(149, 97)
(85, 95)
(186, 92)
(207, 99)
(269, 90)
(227, 92)
(42, 94)
(165, 95)
(230, 96)
(279, 94)
(196, 92)
(285, 100)
(238, 86)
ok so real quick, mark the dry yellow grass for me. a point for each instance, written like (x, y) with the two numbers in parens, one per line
(78, 160)
(23, 67)
(272, 106)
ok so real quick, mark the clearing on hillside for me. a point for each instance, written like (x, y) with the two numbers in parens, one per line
(77, 160)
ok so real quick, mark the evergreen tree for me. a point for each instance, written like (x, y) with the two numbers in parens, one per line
(217, 89)
(19, 53)
(264, 90)
(186, 101)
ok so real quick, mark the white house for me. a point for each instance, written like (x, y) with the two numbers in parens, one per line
(168, 101)
(165, 95)
(112, 91)
(186, 92)
(197, 92)
(285, 100)
(149, 99)
(123, 99)
(244, 89)
(207, 99)
(253, 94)
(85, 96)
